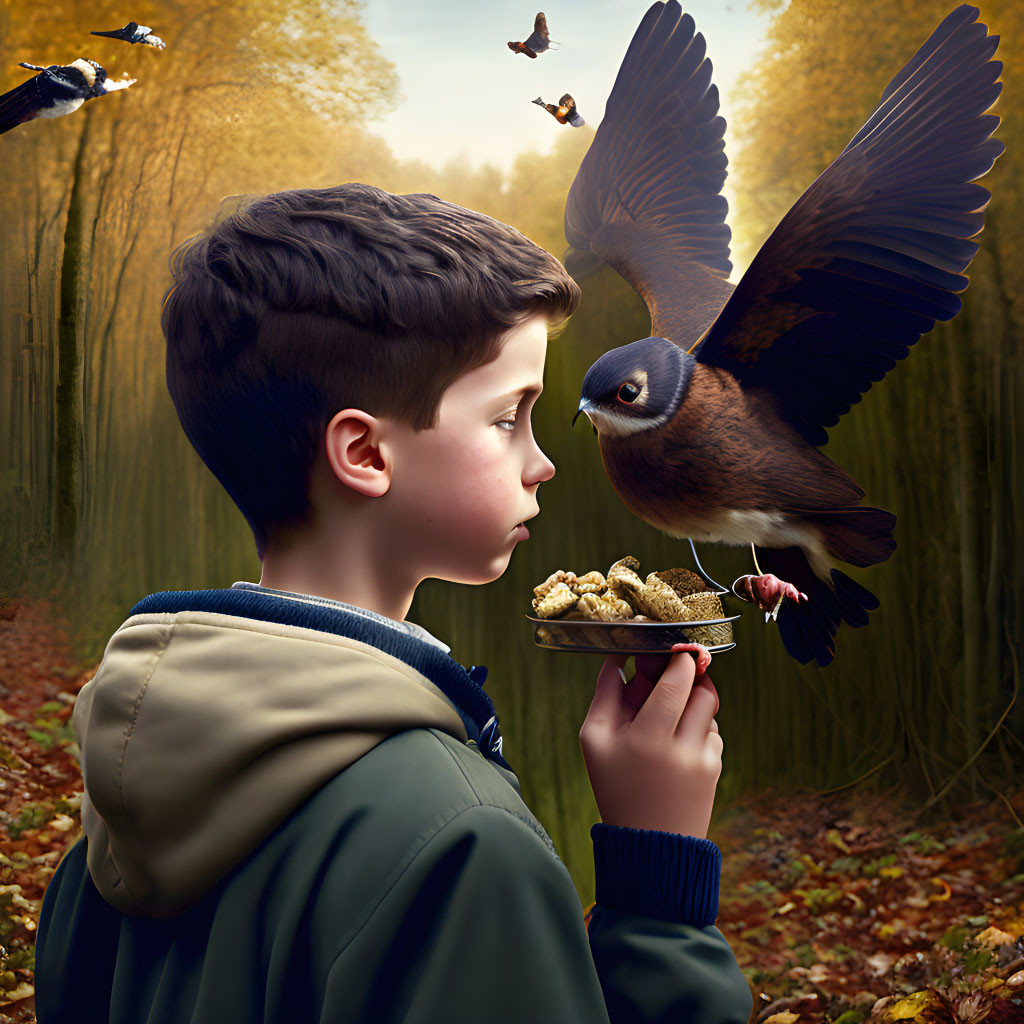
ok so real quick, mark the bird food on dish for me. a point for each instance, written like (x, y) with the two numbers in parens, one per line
(615, 604)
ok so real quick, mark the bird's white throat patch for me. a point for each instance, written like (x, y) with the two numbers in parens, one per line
(615, 424)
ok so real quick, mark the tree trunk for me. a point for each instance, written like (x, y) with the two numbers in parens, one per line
(70, 332)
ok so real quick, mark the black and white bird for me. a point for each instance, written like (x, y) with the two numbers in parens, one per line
(57, 90)
(134, 33)
(710, 429)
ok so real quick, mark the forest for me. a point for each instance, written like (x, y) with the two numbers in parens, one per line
(916, 729)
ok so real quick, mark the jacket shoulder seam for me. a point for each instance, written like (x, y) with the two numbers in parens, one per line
(531, 823)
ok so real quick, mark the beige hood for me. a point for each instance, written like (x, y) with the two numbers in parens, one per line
(201, 732)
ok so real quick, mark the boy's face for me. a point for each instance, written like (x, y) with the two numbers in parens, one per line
(464, 488)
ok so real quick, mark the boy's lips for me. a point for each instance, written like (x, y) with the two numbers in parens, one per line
(522, 533)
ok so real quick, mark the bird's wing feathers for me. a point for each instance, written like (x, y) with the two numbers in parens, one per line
(539, 38)
(873, 253)
(646, 197)
(125, 34)
(20, 104)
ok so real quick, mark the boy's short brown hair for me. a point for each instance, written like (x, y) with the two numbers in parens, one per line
(302, 303)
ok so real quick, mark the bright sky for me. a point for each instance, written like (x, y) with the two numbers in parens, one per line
(465, 93)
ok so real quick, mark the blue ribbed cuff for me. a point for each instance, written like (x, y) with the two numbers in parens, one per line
(656, 874)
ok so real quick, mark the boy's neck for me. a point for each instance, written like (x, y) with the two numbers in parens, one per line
(351, 576)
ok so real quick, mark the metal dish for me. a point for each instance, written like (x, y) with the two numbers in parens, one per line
(622, 637)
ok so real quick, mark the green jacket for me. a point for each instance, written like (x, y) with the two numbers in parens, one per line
(295, 812)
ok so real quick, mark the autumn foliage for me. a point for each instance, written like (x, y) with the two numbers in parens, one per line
(40, 782)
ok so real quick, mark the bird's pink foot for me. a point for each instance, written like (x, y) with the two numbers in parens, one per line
(767, 592)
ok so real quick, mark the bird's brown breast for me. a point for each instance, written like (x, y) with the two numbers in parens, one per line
(724, 450)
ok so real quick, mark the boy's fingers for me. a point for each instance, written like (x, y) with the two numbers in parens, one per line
(701, 655)
(663, 708)
(700, 711)
(652, 665)
(609, 693)
(637, 690)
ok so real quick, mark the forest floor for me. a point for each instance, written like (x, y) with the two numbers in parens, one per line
(840, 909)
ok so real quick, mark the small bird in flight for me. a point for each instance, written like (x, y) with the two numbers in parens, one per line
(57, 90)
(134, 33)
(564, 113)
(538, 41)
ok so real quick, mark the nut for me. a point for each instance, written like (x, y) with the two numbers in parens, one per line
(557, 601)
(604, 608)
(592, 583)
(568, 578)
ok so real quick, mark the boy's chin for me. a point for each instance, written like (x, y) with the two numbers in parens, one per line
(475, 576)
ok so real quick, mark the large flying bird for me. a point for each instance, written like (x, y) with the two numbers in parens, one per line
(711, 428)
(57, 90)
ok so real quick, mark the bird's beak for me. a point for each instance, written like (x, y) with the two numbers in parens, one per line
(584, 406)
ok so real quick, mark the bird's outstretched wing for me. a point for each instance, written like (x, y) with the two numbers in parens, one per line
(124, 34)
(646, 197)
(20, 104)
(873, 253)
(538, 41)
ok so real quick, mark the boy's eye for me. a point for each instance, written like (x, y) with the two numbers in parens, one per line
(509, 424)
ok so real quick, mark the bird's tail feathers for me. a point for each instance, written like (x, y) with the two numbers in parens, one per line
(808, 629)
(859, 536)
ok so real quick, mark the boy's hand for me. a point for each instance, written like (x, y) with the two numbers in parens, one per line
(651, 746)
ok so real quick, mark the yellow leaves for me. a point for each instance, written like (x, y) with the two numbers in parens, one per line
(782, 1017)
(992, 937)
(910, 1007)
(811, 864)
(834, 836)
(895, 871)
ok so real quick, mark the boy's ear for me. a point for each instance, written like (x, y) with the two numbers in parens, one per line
(354, 453)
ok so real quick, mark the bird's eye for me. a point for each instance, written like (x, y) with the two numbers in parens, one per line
(628, 392)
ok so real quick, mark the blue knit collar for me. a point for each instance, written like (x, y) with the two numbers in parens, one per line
(405, 627)
(462, 687)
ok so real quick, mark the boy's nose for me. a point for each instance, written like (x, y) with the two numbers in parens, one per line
(541, 468)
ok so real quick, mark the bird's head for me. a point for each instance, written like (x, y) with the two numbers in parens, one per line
(636, 387)
(90, 69)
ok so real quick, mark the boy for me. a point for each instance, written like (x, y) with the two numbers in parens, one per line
(296, 806)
